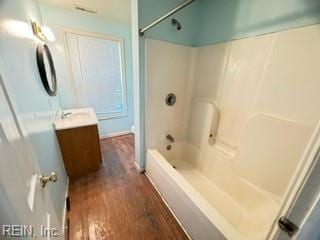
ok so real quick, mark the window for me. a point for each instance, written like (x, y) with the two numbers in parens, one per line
(98, 73)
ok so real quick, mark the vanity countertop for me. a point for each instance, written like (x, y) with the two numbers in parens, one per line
(77, 117)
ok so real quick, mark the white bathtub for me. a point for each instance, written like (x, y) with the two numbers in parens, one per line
(210, 204)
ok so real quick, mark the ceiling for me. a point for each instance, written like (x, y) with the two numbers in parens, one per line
(117, 10)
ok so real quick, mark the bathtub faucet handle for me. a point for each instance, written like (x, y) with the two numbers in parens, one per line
(170, 138)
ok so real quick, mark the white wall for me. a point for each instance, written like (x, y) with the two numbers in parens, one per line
(273, 75)
(266, 89)
(169, 70)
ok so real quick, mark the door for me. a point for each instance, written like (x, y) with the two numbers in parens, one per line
(305, 210)
(19, 181)
(301, 207)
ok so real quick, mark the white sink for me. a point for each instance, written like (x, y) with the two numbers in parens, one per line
(77, 117)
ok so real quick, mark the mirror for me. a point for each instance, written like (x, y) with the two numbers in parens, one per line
(46, 69)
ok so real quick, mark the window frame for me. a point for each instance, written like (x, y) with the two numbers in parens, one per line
(119, 40)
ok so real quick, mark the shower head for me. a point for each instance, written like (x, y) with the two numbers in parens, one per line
(176, 23)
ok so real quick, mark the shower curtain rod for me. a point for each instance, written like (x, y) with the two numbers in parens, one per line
(159, 20)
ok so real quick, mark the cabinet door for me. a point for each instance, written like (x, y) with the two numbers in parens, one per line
(80, 149)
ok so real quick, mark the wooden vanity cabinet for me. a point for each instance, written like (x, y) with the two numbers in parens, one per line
(80, 148)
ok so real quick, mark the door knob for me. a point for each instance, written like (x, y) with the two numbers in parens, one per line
(53, 177)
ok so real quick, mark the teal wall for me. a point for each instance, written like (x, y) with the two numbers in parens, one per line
(223, 20)
(57, 18)
(206, 22)
(35, 109)
(149, 10)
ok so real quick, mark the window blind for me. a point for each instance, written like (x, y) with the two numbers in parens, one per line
(97, 74)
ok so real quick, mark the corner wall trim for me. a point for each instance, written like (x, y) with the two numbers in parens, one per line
(141, 170)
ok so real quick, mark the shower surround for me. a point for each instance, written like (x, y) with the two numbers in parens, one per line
(244, 115)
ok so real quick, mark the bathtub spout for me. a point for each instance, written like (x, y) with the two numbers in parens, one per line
(170, 138)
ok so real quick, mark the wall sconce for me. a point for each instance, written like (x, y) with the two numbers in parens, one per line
(42, 32)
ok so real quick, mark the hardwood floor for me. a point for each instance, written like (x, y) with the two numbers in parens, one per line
(118, 202)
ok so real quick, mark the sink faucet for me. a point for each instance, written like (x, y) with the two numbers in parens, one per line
(170, 138)
(65, 115)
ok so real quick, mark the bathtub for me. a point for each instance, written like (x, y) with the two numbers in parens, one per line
(217, 206)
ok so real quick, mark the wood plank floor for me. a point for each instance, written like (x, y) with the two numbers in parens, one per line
(118, 202)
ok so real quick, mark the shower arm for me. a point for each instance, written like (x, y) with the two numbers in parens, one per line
(159, 20)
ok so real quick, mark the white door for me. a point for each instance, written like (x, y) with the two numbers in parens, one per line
(301, 208)
(305, 210)
(19, 180)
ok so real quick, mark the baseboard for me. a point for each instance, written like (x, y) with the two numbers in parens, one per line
(64, 214)
(109, 135)
(165, 202)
